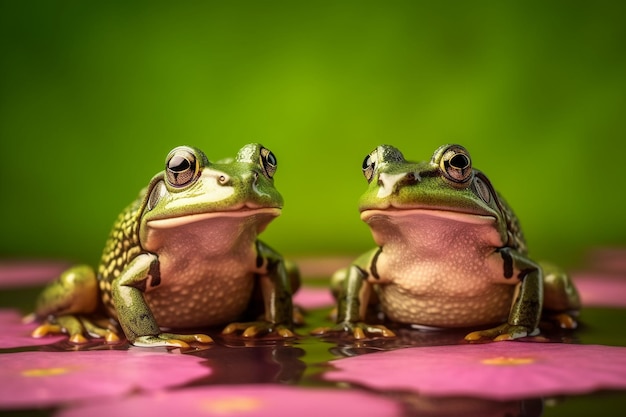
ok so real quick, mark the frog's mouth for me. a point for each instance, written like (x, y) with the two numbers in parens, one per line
(243, 212)
(369, 215)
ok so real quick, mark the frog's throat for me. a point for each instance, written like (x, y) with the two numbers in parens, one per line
(192, 218)
(459, 216)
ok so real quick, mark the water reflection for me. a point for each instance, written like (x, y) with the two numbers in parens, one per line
(416, 405)
(238, 361)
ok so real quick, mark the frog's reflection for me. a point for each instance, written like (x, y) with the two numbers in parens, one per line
(411, 336)
(416, 405)
(237, 361)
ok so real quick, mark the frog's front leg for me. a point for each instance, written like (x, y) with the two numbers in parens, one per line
(275, 281)
(134, 314)
(526, 310)
(353, 291)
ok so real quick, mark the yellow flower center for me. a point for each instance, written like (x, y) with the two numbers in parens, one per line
(44, 372)
(507, 361)
(231, 405)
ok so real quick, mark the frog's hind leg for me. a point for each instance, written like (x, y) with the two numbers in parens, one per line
(561, 301)
(65, 304)
(77, 327)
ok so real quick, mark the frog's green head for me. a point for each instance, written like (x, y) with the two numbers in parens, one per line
(191, 188)
(446, 186)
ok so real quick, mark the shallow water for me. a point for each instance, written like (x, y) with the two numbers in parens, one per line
(304, 362)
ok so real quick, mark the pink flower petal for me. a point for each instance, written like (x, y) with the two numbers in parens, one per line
(40, 379)
(244, 400)
(503, 370)
(29, 273)
(310, 297)
(601, 290)
(15, 333)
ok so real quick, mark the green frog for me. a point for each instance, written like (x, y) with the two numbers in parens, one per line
(183, 255)
(450, 254)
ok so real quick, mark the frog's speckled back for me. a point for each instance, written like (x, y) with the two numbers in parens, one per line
(515, 236)
(121, 246)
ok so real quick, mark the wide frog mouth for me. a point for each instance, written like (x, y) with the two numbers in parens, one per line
(243, 211)
(464, 216)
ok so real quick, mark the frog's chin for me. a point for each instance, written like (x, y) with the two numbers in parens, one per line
(245, 212)
(458, 216)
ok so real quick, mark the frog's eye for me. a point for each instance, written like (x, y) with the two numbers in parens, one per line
(181, 167)
(456, 164)
(369, 166)
(268, 162)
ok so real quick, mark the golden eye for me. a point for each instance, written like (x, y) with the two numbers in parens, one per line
(369, 165)
(456, 164)
(268, 162)
(181, 167)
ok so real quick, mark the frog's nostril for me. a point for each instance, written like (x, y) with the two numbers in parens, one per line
(223, 179)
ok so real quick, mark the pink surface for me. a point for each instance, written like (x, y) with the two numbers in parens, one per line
(29, 273)
(499, 370)
(15, 333)
(39, 379)
(313, 297)
(244, 400)
(601, 290)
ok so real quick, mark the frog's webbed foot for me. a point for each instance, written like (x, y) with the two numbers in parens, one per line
(258, 328)
(357, 330)
(503, 332)
(79, 329)
(172, 340)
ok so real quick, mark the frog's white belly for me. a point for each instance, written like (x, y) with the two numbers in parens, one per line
(207, 272)
(201, 293)
(401, 305)
(440, 271)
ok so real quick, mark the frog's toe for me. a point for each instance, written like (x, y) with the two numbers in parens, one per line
(172, 340)
(188, 338)
(298, 316)
(157, 341)
(257, 328)
(70, 325)
(234, 328)
(46, 329)
(565, 321)
(285, 332)
(377, 330)
(98, 331)
(501, 333)
(359, 331)
(111, 337)
(78, 339)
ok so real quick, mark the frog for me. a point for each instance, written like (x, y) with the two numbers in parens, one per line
(184, 254)
(450, 254)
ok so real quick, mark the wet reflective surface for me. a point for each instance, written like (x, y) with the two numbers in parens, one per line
(309, 375)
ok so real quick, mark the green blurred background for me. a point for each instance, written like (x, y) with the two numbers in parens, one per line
(93, 95)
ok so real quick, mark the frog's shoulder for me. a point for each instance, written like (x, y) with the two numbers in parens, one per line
(515, 236)
(123, 242)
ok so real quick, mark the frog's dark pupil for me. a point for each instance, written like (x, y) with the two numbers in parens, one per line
(367, 162)
(271, 159)
(459, 161)
(179, 164)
